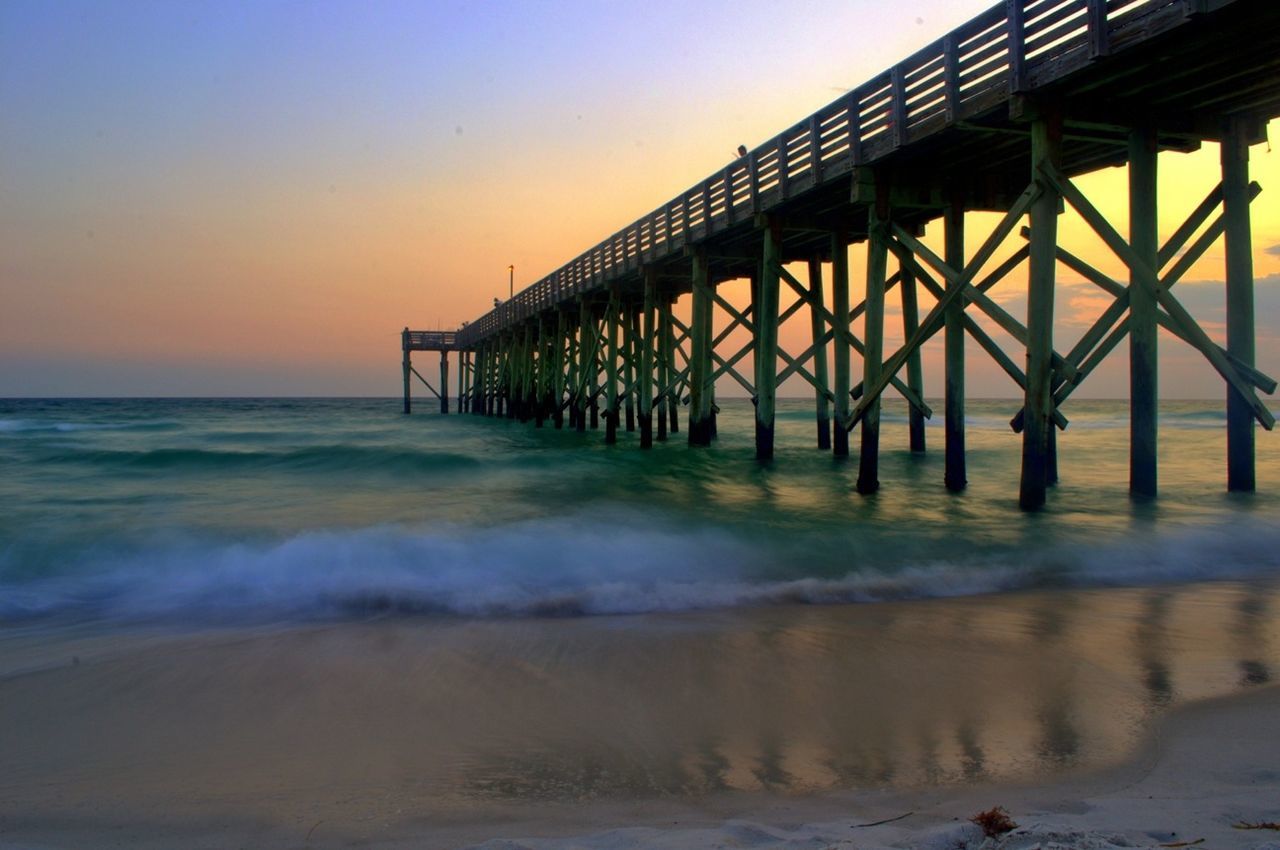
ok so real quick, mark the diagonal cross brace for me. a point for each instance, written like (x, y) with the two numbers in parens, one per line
(829, 318)
(424, 382)
(904, 246)
(1147, 277)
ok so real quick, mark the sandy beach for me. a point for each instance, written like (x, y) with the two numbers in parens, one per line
(1138, 712)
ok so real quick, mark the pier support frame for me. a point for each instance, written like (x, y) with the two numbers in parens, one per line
(818, 324)
(955, 475)
(840, 349)
(765, 295)
(873, 336)
(1143, 388)
(915, 371)
(1046, 148)
(611, 369)
(647, 340)
(670, 382)
(1240, 319)
(407, 368)
(700, 354)
(444, 381)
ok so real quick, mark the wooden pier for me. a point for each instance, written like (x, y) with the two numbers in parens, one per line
(1001, 115)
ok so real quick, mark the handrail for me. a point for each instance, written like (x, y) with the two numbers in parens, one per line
(429, 340)
(1014, 46)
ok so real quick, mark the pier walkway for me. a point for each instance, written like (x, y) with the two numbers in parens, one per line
(1000, 115)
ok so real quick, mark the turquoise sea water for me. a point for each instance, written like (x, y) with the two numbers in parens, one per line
(283, 509)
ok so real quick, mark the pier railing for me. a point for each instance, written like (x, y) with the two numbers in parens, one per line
(1017, 46)
(429, 340)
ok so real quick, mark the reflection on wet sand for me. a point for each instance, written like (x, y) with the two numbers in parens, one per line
(446, 714)
(1249, 630)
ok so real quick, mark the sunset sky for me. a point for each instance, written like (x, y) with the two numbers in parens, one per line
(221, 198)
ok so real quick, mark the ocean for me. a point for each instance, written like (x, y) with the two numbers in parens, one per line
(266, 509)
(271, 614)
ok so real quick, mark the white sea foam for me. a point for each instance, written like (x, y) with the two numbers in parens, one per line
(583, 566)
(18, 426)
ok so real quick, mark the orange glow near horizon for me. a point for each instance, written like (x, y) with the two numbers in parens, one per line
(267, 227)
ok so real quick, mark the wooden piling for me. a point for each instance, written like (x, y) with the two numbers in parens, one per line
(464, 373)
(873, 336)
(557, 393)
(765, 314)
(915, 372)
(700, 366)
(1240, 319)
(444, 381)
(646, 340)
(665, 372)
(1144, 239)
(955, 476)
(407, 367)
(630, 371)
(541, 374)
(819, 330)
(611, 370)
(673, 395)
(1046, 145)
(840, 343)
(579, 366)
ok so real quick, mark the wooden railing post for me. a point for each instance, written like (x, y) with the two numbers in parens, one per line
(898, 106)
(1017, 45)
(1099, 36)
(951, 78)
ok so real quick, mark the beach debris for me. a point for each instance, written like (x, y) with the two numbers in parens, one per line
(994, 822)
(1184, 843)
(879, 822)
(1262, 824)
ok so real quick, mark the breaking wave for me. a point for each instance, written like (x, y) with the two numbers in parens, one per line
(574, 567)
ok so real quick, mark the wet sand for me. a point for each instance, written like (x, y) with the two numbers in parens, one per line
(431, 732)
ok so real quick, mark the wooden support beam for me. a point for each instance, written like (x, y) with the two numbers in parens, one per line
(726, 368)
(700, 357)
(1146, 276)
(583, 343)
(1046, 152)
(611, 368)
(629, 365)
(873, 336)
(840, 345)
(972, 294)
(406, 366)
(822, 389)
(1121, 293)
(931, 325)
(669, 342)
(444, 381)
(1241, 475)
(1143, 360)
(557, 407)
(424, 381)
(647, 340)
(955, 476)
(542, 374)
(915, 372)
(663, 365)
